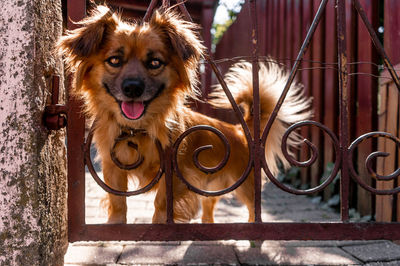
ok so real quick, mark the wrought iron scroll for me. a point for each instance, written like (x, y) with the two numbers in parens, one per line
(89, 164)
(208, 170)
(132, 145)
(314, 155)
(368, 163)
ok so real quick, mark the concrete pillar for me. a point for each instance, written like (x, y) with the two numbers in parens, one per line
(33, 223)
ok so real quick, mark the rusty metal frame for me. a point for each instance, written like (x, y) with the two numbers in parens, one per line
(78, 156)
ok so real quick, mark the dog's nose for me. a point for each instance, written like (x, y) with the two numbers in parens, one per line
(133, 87)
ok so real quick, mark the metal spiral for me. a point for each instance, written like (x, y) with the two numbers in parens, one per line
(208, 170)
(369, 163)
(309, 162)
(88, 162)
(132, 145)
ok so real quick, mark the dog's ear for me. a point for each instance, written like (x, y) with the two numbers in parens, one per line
(87, 40)
(183, 35)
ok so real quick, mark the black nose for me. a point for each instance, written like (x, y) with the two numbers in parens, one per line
(133, 87)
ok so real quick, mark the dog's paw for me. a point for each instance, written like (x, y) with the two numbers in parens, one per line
(116, 220)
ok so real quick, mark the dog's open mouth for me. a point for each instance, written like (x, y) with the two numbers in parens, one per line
(133, 110)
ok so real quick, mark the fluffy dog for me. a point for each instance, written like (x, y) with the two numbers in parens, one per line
(138, 75)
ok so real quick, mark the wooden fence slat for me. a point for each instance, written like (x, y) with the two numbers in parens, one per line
(295, 47)
(206, 21)
(275, 30)
(330, 100)
(281, 33)
(289, 34)
(270, 5)
(392, 40)
(262, 27)
(351, 43)
(318, 52)
(386, 202)
(296, 31)
(307, 16)
(392, 25)
(380, 169)
(398, 161)
(367, 100)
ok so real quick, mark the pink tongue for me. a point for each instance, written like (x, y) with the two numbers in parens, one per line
(132, 110)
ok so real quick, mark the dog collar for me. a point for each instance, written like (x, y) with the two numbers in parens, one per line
(128, 132)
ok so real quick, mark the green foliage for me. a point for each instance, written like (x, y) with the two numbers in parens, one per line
(218, 30)
(332, 187)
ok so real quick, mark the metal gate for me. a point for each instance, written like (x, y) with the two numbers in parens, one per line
(79, 156)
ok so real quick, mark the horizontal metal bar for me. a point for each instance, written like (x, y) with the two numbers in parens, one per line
(239, 231)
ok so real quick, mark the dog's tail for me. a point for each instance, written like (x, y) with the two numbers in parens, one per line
(272, 80)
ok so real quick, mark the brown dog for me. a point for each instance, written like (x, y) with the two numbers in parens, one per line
(138, 76)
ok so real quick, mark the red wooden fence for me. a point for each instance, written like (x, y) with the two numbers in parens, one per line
(282, 28)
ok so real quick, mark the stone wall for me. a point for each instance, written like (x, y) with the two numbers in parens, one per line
(33, 222)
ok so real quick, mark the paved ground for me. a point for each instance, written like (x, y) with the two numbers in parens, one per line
(281, 207)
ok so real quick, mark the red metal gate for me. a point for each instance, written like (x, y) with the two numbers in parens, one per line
(78, 156)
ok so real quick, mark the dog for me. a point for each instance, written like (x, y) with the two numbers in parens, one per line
(140, 75)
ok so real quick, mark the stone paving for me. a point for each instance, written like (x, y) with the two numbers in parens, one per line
(277, 206)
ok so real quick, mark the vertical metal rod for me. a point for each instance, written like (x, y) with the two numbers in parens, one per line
(165, 3)
(76, 11)
(256, 112)
(150, 9)
(343, 108)
(169, 183)
(377, 43)
(185, 12)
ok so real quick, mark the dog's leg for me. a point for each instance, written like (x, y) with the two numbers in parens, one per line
(245, 193)
(186, 203)
(160, 204)
(208, 205)
(116, 179)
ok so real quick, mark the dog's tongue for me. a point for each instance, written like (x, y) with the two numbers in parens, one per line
(132, 110)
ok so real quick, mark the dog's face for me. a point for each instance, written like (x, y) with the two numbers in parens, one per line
(132, 71)
(136, 69)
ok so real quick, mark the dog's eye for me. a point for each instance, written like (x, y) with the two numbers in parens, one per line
(154, 63)
(114, 61)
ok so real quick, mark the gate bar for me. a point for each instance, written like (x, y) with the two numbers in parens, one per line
(78, 230)
(240, 231)
(76, 11)
(344, 109)
(256, 112)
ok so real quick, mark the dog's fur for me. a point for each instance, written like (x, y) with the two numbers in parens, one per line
(162, 56)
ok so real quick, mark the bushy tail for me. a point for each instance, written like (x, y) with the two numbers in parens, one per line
(272, 80)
